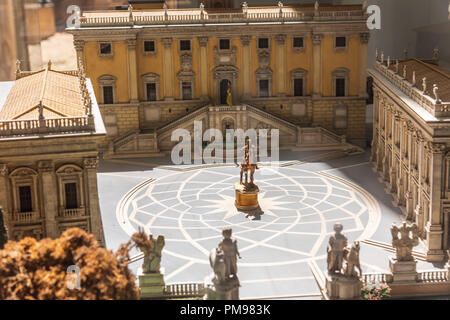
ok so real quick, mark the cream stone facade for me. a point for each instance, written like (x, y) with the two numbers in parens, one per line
(411, 140)
(295, 68)
(50, 127)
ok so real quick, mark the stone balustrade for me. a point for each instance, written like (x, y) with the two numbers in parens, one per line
(185, 290)
(195, 16)
(46, 126)
(25, 216)
(72, 213)
(428, 103)
(427, 276)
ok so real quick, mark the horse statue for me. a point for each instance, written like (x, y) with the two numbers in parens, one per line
(351, 256)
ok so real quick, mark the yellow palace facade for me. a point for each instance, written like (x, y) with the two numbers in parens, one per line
(301, 69)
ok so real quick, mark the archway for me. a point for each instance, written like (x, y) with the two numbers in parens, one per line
(224, 90)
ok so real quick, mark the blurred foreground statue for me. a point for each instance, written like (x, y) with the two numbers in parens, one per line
(3, 229)
(224, 283)
(342, 282)
(404, 265)
(151, 280)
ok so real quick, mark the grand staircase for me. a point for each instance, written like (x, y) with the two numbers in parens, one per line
(154, 142)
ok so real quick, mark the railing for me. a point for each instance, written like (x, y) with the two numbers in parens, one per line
(404, 86)
(25, 216)
(46, 126)
(267, 115)
(376, 278)
(185, 290)
(433, 276)
(156, 17)
(70, 213)
(127, 137)
(183, 119)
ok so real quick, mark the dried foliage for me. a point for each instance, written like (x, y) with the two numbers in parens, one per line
(31, 269)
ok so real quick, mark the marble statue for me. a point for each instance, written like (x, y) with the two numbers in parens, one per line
(404, 71)
(424, 85)
(409, 238)
(151, 248)
(351, 256)
(436, 95)
(335, 250)
(228, 246)
(217, 262)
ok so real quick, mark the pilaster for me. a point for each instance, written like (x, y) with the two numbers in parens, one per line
(364, 40)
(317, 64)
(132, 71)
(246, 64)
(281, 64)
(90, 165)
(168, 69)
(49, 197)
(203, 63)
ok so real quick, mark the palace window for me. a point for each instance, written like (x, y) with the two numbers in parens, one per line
(298, 78)
(108, 97)
(264, 88)
(151, 91)
(340, 42)
(298, 87)
(298, 42)
(70, 190)
(186, 89)
(149, 46)
(340, 117)
(25, 196)
(263, 43)
(224, 44)
(105, 48)
(107, 89)
(185, 45)
(340, 82)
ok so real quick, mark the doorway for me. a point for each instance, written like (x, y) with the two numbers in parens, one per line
(224, 90)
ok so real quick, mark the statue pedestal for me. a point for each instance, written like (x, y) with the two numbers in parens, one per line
(403, 270)
(229, 290)
(340, 287)
(151, 285)
(246, 196)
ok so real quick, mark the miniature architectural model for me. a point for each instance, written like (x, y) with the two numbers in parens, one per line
(410, 145)
(158, 70)
(50, 129)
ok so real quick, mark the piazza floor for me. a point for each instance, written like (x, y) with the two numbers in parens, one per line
(283, 248)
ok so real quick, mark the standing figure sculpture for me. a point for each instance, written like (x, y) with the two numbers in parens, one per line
(405, 243)
(248, 165)
(151, 248)
(335, 250)
(228, 246)
(3, 229)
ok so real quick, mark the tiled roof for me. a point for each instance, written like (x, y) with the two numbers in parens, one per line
(59, 92)
(433, 73)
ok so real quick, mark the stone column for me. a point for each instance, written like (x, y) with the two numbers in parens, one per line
(49, 197)
(387, 115)
(79, 48)
(317, 65)
(247, 67)
(92, 204)
(132, 72)
(168, 69)
(364, 40)
(203, 63)
(281, 64)
(434, 227)
(375, 129)
(409, 191)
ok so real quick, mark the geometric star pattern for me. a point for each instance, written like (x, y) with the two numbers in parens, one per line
(299, 208)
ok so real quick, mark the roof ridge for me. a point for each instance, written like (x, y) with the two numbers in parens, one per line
(432, 67)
